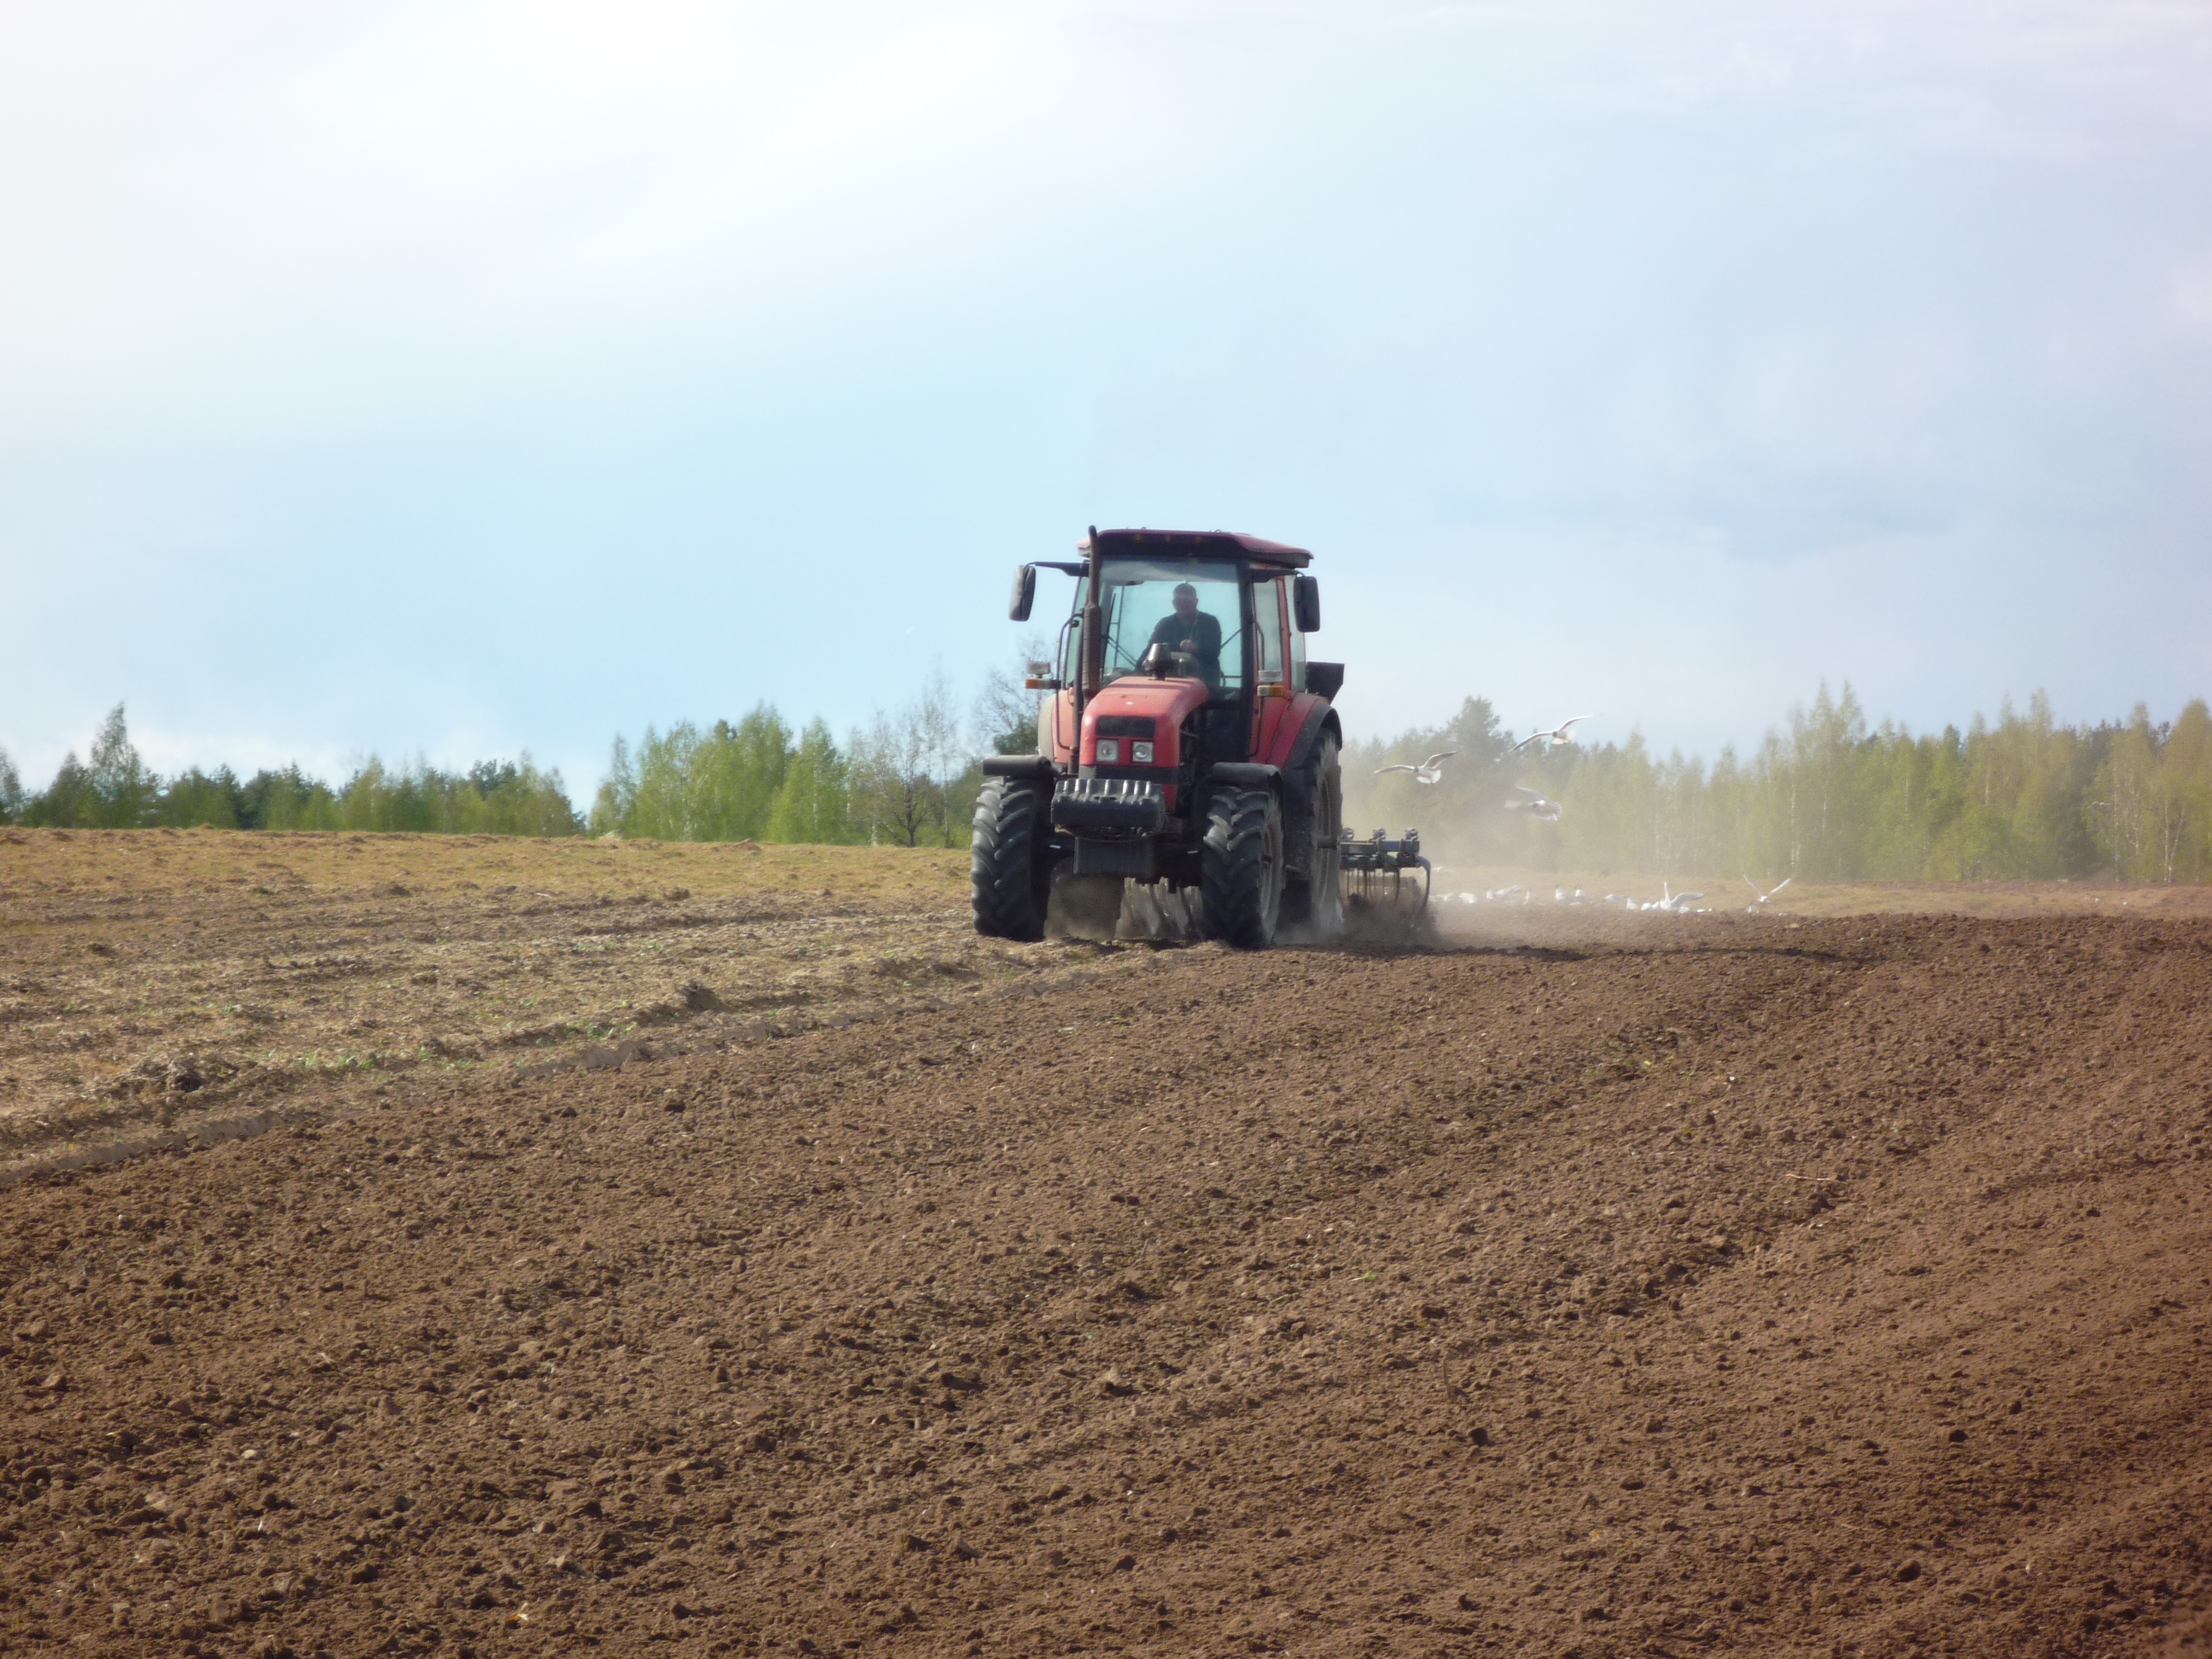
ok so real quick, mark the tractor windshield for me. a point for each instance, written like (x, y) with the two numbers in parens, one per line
(1193, 607)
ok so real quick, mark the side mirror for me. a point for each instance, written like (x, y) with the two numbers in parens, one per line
(1306, 603)
(1025, 593)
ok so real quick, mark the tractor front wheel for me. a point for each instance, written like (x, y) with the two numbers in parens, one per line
(1008, 872)
(1241, 868)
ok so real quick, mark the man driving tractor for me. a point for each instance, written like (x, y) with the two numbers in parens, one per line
(1191, 631)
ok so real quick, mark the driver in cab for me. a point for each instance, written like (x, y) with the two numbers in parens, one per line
(1190, 631)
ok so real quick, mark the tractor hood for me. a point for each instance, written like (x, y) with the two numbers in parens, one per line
(1138, 709)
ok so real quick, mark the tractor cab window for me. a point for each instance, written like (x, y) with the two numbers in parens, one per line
(1267, 632)
(1193, 607)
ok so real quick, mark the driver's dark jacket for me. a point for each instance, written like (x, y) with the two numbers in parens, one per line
(1202, 630)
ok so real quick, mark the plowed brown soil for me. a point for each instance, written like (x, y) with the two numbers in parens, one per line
(1672, 1286)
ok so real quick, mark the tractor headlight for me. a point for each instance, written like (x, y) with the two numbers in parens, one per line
(1140, 754)
(1109, 751)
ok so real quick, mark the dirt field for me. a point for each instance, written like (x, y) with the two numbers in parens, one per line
(157, 981)
(1723, 894)
(1576, 1283)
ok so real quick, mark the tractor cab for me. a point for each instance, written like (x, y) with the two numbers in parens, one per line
(1185, 739)
(1202, 644)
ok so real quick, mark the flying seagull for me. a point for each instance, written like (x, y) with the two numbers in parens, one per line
(1536, 805)
(1430, 770)
(1563, 732)
(1752, 907)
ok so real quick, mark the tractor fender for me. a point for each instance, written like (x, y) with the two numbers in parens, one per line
(1246, 774)
(1017, 766)
(1297, 792)
(1319, 718)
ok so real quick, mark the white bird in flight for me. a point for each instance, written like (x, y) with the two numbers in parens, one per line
(1429, 771)
(1563, 732)
(1536, 806)
(1752, 907)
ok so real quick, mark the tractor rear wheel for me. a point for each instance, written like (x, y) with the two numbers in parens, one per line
(1315, 900)
(1008, 872)
(1241, 868)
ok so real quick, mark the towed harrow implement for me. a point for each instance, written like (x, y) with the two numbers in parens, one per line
(1381, 872)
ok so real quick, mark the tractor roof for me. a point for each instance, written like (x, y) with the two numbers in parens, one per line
(1197, 544)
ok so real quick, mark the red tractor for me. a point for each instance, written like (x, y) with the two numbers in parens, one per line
(1188, 741)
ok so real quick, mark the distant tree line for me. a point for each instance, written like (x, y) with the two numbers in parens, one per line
(907, 778)
(114, 789)
(1825, 797)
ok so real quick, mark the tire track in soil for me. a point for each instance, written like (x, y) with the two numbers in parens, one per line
(1839, 1288)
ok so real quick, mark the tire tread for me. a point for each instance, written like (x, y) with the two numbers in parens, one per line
(1002, 860)
(1232, 869)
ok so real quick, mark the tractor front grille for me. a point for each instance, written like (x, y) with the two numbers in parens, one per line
(1110, 806)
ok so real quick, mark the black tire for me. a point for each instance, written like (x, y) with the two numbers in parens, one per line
(1007, 871)
(1315, 900)
(1241, 868)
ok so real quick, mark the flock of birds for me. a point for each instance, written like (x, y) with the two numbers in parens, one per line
(1669, 901)
(1537, 806)
(1541, 807)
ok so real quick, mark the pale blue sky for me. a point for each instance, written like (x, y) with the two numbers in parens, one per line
(450, 379)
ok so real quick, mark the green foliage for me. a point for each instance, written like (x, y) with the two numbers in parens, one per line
(2151, 815)
(1823, 797)
(617, 795)
(749, 765)
(909, 777)
(723, 784)
(117, 791)
(905, 779)
(503, 800)
(68, 802)
(811, 805)
(114, 792)
(197, 797)
(289, 799)
(123, 787)
(1826, 799)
